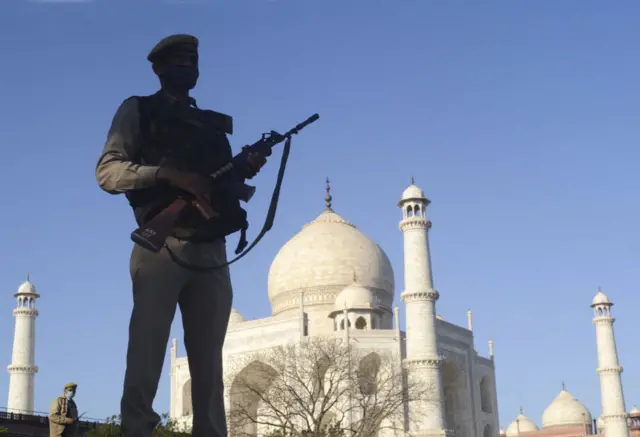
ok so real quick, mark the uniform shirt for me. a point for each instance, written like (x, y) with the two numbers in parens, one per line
(116, 171)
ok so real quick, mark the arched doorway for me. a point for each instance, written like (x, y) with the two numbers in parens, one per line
(456, 398)
(486, 399)
(244, 400)
(368, 371)
(187, 405)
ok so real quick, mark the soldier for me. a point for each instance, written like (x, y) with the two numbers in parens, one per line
(63, 415)
(157, 147)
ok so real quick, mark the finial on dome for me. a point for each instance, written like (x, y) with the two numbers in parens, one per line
(28, 277)
(564, 387)
(355, 277)
(413, 182)
(521, 411)
(327, 197)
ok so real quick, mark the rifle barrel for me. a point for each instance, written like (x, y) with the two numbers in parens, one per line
(302, 125)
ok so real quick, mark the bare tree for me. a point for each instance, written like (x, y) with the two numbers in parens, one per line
(319, 388)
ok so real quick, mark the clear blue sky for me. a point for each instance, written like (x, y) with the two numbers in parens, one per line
(519, 119)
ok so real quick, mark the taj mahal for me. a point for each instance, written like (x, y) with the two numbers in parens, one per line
(330, 281)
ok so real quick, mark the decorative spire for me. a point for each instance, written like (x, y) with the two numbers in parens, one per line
(28, 277)
(355, 277)
(327, 197)
(521, 411)
(412, 181)
(563, 386)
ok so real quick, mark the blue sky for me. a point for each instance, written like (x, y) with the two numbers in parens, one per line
(519, 119)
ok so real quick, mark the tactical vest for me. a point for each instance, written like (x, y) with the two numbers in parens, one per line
(192, 140)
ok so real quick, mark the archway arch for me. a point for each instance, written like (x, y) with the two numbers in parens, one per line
(485, 395)
(244, 397)
(187, 403)
(453, 382)
(368, 378)
(368, 369)
(319, 375)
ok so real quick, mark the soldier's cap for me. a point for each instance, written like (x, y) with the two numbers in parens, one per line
(71, 385)
(171, 43)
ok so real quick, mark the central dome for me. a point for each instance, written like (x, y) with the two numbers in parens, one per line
(565, 410)
(322, 259)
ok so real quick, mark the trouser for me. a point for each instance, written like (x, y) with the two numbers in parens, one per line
(159, 285)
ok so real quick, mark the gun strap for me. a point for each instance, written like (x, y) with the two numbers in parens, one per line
(268, 223)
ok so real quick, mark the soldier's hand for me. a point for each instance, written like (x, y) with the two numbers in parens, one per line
(256, 161)
(192, 183)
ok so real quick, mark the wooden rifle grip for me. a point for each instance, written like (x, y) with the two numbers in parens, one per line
(205, 208)
(153, 234)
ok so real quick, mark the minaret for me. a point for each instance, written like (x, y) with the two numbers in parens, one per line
(173, 377)
(423, 362)
(613, 409)
(23, 368)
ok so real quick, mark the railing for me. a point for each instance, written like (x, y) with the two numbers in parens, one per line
(40, 418)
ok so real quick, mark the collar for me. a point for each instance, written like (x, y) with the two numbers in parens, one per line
(190, 100)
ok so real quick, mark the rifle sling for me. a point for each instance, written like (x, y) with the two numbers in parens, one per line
(268, 223)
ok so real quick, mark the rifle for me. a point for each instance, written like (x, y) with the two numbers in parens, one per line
(152, 235)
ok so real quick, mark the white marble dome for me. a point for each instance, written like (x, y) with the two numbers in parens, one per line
(565, 410)
(322, 259)
(412, 192)
(600, 299)
(355, 296)
(520, 425)
(27, 288)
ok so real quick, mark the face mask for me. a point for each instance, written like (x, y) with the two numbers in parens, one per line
(69, 395)
(181, 77)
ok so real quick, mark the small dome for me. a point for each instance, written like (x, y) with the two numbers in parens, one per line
(412, 192)
(27, 288)
(520, 425)
(235, 317)
(635, 412)
(355, 296)
(565, 410)
(600, 299)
